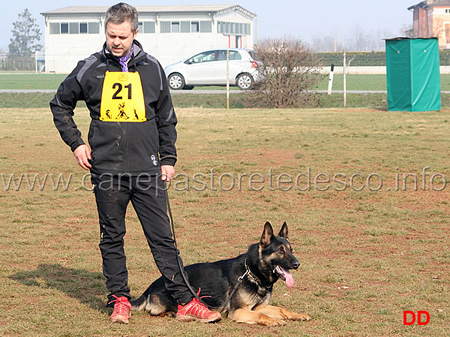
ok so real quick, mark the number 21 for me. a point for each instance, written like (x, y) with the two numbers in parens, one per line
(119, 89)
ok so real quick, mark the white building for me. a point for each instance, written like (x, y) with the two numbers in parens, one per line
(170, 33)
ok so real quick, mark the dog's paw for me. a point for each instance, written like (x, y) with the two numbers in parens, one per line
(272, 322)
(300, 317)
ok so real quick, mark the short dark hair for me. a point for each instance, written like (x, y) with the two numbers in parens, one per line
(120, 13)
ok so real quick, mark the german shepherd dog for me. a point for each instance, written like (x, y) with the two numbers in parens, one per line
(240, 287)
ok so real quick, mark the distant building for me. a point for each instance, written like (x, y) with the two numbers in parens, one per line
(431, 18)
(169, 33)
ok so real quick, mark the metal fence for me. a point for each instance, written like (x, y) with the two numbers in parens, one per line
(364, 73)
(36, 61)
(13, 63)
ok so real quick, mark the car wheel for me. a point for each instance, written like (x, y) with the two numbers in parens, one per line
(244, 81)
(176, 81)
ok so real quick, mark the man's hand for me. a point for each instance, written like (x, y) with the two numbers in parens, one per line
(83, 154)
(167, 172)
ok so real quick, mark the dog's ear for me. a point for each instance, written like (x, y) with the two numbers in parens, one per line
(267, 235)
(284, 231)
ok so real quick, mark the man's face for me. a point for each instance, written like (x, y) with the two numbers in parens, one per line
(119, 38)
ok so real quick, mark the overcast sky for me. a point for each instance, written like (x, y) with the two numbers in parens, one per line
(281, 18)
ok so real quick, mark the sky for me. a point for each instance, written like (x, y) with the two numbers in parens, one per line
(298, 19)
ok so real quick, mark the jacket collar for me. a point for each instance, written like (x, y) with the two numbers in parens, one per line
(138, 52)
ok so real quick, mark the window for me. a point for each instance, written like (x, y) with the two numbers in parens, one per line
(447, 32)
(233, 28)
(185, 26)
(74, 28)
(209, 57)
(149, 27)
(235, 56)
(64, 28)
(83, 27)
(222, 55)
(169, 26)
(175, 27)
(55, 28)
(206, 57)
(205, 26)
(94, 28)
(165, 26)
(195, 26)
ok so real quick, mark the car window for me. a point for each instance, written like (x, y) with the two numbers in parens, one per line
(203, 57)
(235, 56)
(222, 55)
(254, 55)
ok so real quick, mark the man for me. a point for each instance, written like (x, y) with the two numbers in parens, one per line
(132, 137)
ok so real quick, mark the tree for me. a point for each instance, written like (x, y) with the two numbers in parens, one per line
(407, 31)
(291, 70)
(26, 35)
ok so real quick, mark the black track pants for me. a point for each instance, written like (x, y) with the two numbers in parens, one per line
(148, 197)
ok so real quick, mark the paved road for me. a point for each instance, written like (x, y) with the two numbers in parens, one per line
(172, 92)
(176, 92)
(27, 91)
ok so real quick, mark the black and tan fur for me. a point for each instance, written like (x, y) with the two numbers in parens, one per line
(259, 270)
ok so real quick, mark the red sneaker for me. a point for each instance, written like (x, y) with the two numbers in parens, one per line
(196, 310)
(122, 310)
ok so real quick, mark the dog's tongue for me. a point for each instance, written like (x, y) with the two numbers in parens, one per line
(288, 276)
(289, 279)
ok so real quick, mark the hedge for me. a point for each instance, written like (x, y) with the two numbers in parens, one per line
(377, 58)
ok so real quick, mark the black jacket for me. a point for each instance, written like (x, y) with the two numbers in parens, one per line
(119, 147)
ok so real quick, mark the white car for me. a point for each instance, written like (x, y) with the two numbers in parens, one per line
(210, 68)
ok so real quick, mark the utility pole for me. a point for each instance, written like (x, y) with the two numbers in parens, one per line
(228, 79)
(345, 78)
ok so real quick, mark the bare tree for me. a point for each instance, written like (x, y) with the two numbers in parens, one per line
(407, 31)
(291, 69)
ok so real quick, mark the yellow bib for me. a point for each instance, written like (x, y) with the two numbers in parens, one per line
(122, 98)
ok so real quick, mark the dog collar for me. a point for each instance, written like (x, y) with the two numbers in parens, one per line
(252, 276)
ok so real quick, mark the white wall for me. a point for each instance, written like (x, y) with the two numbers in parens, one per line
(62, 52)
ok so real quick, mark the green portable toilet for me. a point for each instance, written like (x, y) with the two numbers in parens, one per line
(413, 78)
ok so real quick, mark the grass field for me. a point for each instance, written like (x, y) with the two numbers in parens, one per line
(354, 82)
(364, 192)
(375, 98)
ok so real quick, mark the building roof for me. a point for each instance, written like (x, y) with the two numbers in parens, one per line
(434, 3)
(150, 9)
(438, 2)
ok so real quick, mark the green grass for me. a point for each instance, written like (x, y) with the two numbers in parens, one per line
(31, 81)
(367, 82)
(215, 101)
(354, 82)
(367, 253)
(376, 82)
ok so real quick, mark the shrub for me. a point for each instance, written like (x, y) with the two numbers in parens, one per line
(290, 70)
